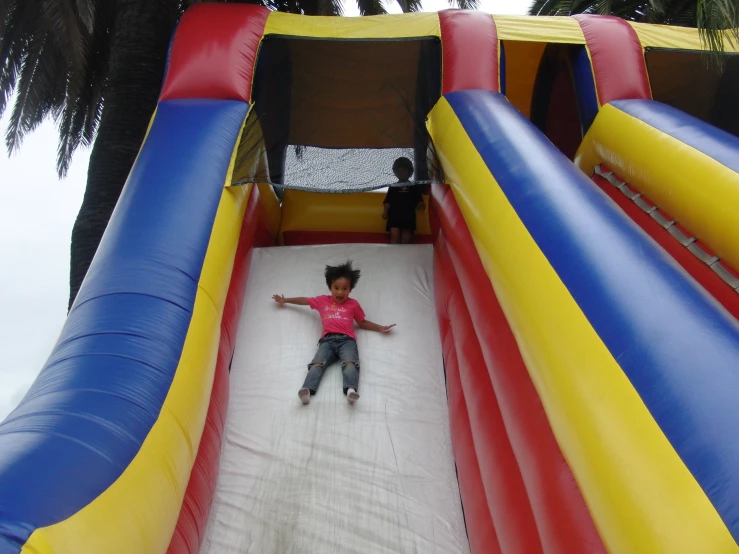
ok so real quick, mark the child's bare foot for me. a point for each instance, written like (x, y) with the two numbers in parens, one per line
(352, 396)
(304, 395)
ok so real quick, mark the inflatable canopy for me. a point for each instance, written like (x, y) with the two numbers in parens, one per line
(579, 258)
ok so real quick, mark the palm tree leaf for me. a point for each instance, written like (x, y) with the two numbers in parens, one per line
(408, 6)
(328, 7)
(6, 6)
(40, 87)
(371, 7)
(86, 14)
(18, 28)
(713, 17)
(80, 116)
(465, 4)
(65, 29)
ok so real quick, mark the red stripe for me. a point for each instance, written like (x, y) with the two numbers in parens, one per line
(707, 278)
(617, 58)
(308, 238)
(480, 528)
(214, 52)
(469, 46)
(506, 498)
(195, 509)
(562, 518)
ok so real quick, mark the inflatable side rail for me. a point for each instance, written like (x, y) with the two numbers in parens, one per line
(684, 165)
(98, 455)
(634, 363)
(513, 478)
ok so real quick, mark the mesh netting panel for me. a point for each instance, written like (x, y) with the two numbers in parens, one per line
(333, 115)
(341, 170)
(312, 168)
(687, 81)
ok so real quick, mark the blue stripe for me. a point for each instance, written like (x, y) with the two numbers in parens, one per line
(712, 141)
(587, 100)
(677, 346)
(102, 389)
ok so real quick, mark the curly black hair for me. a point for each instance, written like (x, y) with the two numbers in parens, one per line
(344, 270)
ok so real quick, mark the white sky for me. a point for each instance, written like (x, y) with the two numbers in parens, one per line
(37, 212)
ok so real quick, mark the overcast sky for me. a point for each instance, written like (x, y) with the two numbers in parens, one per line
(37, 212)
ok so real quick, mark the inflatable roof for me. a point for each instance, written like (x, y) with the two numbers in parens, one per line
(584, 239)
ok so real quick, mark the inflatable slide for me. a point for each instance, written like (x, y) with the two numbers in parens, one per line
(564, 374)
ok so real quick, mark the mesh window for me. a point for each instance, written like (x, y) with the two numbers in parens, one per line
(691, 82)
(333, 115)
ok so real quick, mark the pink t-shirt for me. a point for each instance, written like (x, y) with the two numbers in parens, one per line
(337, 318)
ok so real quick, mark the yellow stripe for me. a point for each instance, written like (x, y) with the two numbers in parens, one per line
(139, 511)
(642, 497)
(271, 205)
(538, 29)
(523, 28)
(682, 38)
(376, 26)
(699, 192)
(350, 213)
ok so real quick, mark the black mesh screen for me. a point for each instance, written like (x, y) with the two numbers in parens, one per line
(333, 115)
(691, 82)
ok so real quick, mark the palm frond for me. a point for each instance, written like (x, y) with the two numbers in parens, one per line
(408, 6)
(551, 7)
(86, 14)
(465, 4)
(40, 88)
(60, 19)
(371, 7)
(80, 116)
(329, 7)
(6, 6)
(13, 42)
(713, 18)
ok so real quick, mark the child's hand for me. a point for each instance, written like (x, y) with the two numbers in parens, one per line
(279, 299)
(384, 214)
(386, 328)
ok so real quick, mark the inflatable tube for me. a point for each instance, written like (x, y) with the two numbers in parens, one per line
(199, 495)
(685, 166)
(127, 386)
(506, 498)
(563, 522)
(591, 333)
(480, 528)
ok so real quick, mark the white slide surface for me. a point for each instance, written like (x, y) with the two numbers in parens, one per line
(329, 478)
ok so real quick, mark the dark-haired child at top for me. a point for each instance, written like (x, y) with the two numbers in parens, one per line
(338, 342)
(400, 204)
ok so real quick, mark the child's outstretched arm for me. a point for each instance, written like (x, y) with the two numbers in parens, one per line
(369, 326)
(281, 300)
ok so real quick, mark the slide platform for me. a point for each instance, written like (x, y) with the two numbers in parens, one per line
(376, 477)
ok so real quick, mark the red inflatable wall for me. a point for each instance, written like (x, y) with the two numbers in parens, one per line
(531, 497)
(480, 528)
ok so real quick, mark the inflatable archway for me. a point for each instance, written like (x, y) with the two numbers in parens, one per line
(587, 309)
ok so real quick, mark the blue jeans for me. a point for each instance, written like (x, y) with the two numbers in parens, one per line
(332, 347)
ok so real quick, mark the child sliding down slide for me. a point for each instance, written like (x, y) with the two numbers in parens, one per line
(338, 341)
